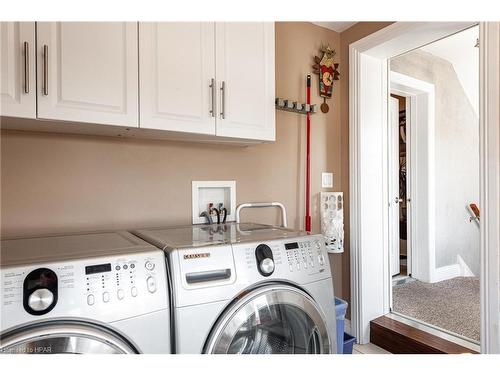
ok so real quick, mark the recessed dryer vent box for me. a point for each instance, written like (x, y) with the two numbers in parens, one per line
(206, 192)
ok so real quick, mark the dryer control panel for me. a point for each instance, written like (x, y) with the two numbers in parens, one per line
(301, 260)
(102, 288)
(304, 254)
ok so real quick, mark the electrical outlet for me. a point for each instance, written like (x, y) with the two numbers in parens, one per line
(327, 180)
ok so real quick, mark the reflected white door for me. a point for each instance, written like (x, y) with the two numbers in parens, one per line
(394, 185)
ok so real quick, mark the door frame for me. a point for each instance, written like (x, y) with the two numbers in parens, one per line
(368, 151)
(420, 114)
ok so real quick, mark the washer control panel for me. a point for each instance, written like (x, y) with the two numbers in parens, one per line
(120, 280)
(102, 288)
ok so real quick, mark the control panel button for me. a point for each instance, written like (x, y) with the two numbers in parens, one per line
(132, 265)
(133, 291)
(125, 266)
(320, 260)
(151, 282)
(120, 294)
(149, 265)
(105, 297)
(90, 299)
(117, 268)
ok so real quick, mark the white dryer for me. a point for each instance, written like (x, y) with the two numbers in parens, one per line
(248, 288)
(84, 293)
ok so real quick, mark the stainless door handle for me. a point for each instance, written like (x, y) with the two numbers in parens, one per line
(212, 87)
(398, 200)
(223, 100)
(45, 70)
(203, 276)
(26, 68)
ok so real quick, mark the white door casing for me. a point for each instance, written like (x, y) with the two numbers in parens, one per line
(394, 204)
(420, 97)
(92, 72)
(489, 201)
(17, 74)
(177, 66)
(245, 67)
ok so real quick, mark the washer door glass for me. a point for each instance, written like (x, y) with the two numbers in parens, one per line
(271, 320)
(67, 337)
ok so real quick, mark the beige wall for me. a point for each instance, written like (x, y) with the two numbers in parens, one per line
(60, 183)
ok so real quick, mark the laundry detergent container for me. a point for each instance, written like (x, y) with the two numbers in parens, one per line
(340, 310)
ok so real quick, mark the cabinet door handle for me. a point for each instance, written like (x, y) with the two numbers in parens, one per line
(45, 70)
(223, 100)
(26, 68)
(212, 93)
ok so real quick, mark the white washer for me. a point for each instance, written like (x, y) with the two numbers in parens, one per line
(248, 288)
(84, 293)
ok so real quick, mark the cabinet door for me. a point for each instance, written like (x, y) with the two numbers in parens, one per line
(17, 74)
(245, 76)
(177, 68)
(88, 72)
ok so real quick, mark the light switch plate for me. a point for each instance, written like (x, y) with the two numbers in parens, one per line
(326, 180)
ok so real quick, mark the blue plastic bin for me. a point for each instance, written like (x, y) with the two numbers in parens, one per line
(340, 310)
(348, 343)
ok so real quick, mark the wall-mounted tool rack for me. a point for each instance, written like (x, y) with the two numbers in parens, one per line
(290, 106)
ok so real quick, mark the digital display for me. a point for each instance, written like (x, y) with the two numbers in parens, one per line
(89, 270)
(291, 246)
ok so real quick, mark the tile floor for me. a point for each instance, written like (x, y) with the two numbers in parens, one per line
(368, 349)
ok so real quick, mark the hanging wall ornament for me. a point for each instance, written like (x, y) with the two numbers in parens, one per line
(328, 72)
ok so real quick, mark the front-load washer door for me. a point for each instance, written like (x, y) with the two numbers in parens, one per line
(272, 319)
(65, 338)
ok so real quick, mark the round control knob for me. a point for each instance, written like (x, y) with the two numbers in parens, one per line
(267, 266)
(149, 265)
(40, 299)
(265, 260)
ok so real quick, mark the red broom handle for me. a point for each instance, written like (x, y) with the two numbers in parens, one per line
(308, 162)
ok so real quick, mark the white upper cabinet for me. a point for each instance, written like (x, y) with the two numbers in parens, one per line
(245, 75)
(17, 64)
(177, 71)
(207, 78)
(88, 72)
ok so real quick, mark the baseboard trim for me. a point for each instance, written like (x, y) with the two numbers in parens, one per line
(454, 270)
(446, 273)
